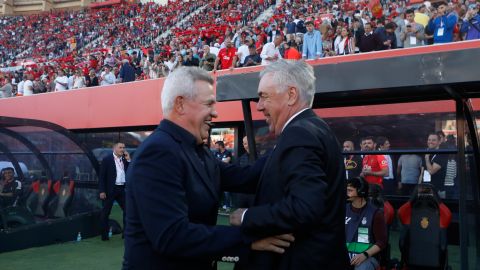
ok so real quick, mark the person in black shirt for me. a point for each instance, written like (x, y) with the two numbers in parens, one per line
(222, 154)
(434, 165)
(244, 200)
(369, 41)
(91, 79)
(353, 163)
(253, 59)
(10, 189)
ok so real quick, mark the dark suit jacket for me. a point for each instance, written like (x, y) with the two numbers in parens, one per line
(108, 174)
(302, 190)
(173, 201)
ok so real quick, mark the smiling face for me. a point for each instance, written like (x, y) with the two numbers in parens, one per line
(273, 104)
(199, 111)
(433, 141)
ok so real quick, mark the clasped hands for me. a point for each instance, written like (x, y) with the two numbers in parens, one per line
(275, 244)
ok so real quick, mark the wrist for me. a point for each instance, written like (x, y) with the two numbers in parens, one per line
(366, 254)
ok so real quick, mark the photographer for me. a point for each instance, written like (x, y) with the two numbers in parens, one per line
(414, 33)
(442, 24)
(471, 23)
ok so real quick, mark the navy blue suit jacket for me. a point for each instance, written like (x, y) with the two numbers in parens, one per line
(302, 191)
(172, 204)
(108, 174)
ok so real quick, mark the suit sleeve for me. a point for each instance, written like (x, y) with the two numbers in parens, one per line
(303, 203)
(102, 179)
(243, 179)
(160, 195)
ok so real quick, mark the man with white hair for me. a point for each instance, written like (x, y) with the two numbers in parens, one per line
(173, 198)
(302, 187)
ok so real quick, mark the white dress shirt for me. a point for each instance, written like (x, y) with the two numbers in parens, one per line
(269, 50)
(119, 166)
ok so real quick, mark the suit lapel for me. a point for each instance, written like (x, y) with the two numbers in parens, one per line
(187, 145)
(201, 171)
(302, 115)
(261, 181)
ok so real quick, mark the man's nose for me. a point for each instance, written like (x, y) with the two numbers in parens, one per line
(260, 106)
(214, 113)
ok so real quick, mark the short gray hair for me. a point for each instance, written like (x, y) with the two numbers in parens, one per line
(293, 73)
(181, 82)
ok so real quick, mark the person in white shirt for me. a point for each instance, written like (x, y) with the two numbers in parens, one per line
(107, 77)
(70, 80)
(61, 82)
(78, 80)
(270, 52)
(20, 86)
(28, 86)
(243, 51)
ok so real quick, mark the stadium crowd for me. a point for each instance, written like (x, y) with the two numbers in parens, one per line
(69, 50)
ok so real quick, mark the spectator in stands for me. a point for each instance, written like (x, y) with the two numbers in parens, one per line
(109, 60)
(253, 59)
(39, 86)
(409, 171)
(226, 58)
(471, 23)
(270, 52)
(92, 79)
(273, 33)
(369, 41)
(61, 81)
(312, 43)
(390, 40)
(346, 43)
(107, 77)
(434, 165)
(353, 163)
(171, 63)
(300, 24)
(442, 24)
(374, 167)
(127, 73)
(399, 21)
(208, 60)
(413, 33)
(6, 89)
(28, 85)
(365, 227)
(20, 85)
(10, 189)
(290, 28)
(190, 60)
(243, 51)
(357, 32)
(291, 51)
(79, 80)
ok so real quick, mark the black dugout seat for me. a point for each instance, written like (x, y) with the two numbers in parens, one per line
(423, 242)
(39, 196)
(62, 198)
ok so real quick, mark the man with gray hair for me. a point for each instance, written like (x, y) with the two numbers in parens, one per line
(173, 198)
(302, 187)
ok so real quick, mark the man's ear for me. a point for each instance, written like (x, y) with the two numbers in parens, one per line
(179, 105)
(292, 95)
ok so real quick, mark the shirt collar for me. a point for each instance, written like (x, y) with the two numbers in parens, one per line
(293, 116)
(181, 133)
